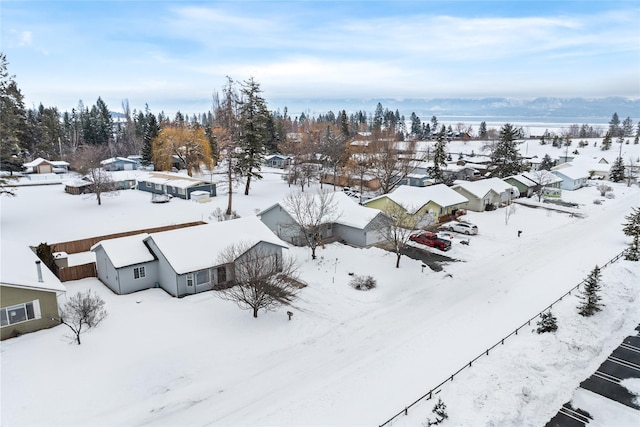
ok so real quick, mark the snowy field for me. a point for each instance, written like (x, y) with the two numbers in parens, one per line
(347, 357)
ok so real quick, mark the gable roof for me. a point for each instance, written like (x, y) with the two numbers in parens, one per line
(522, 180)
(37, 162)
(116, 159)
(125, 251)
(413, 198)
(481, 187)
(196, 248)
(573, 172)
(542, 175)
(18, 269)
(177, 180)
(350, 213)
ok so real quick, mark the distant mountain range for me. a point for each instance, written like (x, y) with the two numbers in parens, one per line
(572, 110)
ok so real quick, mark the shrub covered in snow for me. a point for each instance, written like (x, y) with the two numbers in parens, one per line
(547, 323)
(363, 283)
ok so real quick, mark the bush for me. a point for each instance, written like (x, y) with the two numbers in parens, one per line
(490, 207)
(547, 323)
(363, 283)
(610, 195)
(597, 202)
(440, 411)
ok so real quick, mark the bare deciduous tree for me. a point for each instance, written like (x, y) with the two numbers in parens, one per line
(603, 189)
(83, 311)
(542, 178)
(86, 161)
(311, 212)
(399, 225)
(263, 280)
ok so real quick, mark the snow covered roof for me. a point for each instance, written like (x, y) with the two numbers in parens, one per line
(413, 198)
(573, 172)
(542, 176)
(177, 180)
(18, 269)
(36, 162)
(125, 251)
(116, 159)
(481, 187)
(59, 163)
(352, 214)
(196, 248)
(349, 212)
(523, 180)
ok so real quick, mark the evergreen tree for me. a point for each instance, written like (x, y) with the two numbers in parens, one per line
(632, 229)
(590, 298)
(482, 132)
(344, 124)
(439, 159)
(546, 163)
(627, 127)
(434, 124)
(606, 141)
(505, 157)
(253, 122)
(151, 131)
(440, 411)
(12, 126)
(614, 125)
(416, 126)
(547, 323)
(616, 173)
(378, 118)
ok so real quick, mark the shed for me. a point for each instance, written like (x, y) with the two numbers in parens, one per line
(118, 164)
(39, 165)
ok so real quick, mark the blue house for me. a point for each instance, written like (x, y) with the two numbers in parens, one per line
(174, 184)
(119, 164)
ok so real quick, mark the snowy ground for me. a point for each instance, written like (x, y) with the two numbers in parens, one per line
(347, 357)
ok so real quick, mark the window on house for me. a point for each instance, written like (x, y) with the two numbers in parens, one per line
(20, 313)
(138, 273)
(157, 187)
(189, 279)
(222, 274)
(147, 184)
(181, 191)
(202, 277)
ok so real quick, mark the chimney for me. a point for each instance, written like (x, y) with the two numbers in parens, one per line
(39, 268)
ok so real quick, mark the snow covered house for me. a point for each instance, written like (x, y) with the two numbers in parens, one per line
(184, 261)
(437, 200)
(525, 186)
(277, 161)
(39, 165)
(28, 292)
(119, 164)
(485, 192)
(573, 177)
(175, 184)
(543, 177)
(354, 224)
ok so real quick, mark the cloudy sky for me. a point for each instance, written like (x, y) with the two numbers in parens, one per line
(174, 55)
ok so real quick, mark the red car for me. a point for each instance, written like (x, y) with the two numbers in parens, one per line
(430, 239)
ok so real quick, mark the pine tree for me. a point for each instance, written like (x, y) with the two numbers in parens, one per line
(482, 132)
(416, 126)
(439, 159)
(253, 122)
(440, 411)
(590, 298)
(546, 163)
(616, 174)
(151, 130)
(632, 229)
(606, 141)
(547, 323)
(614, 125)
(12, 126)
(505, 157)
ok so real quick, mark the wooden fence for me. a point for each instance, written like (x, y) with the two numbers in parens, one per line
(84, 245)
(77, 272)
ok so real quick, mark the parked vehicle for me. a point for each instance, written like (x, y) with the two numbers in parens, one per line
(461, 227)
(431, 239)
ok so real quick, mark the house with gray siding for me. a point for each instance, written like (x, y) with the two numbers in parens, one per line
(354, 224)
(174, 184)
(184, 261)
(118, 164)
